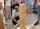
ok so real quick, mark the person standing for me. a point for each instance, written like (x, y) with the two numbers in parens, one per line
(1, 17)
(38, 9)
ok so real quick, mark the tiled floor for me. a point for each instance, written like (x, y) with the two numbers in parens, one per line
(29, 21)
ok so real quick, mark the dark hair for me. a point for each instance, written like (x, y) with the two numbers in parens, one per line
(17, 4)
(22, 2)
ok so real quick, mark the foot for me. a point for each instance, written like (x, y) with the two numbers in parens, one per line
(36, 23)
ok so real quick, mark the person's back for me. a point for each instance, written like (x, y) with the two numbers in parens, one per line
(1, 22)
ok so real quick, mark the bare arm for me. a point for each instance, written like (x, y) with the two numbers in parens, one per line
(14, 19)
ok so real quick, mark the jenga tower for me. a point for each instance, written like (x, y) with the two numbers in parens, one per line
(22, 11)
(1, 18)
